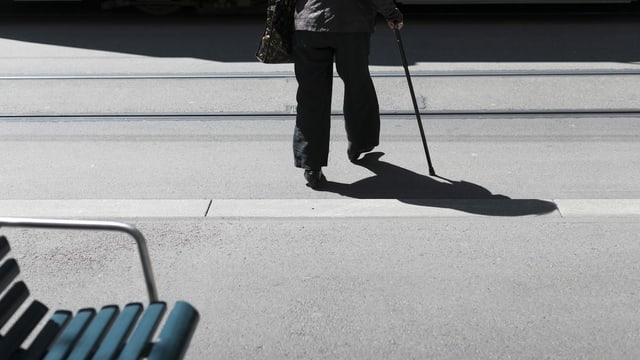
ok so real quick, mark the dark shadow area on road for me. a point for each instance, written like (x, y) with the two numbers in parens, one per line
(394, 182)
(224, 39)
(517, 38)
(427, 38)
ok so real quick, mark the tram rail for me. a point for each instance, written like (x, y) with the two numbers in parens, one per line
(388, 115)
(232, 128)
(290, 75)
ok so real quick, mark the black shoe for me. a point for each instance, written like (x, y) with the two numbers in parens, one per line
(315, 178)
(354, 154)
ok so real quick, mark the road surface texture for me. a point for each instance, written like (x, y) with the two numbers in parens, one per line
(524, 246)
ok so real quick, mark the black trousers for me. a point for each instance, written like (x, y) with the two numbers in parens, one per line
(314, 54)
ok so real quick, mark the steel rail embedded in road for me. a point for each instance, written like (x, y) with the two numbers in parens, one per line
(399, 115)
(288, 75)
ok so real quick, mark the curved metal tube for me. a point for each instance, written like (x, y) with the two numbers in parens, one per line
(95, 225)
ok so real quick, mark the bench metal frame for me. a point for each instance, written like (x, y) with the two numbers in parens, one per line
(95, 225)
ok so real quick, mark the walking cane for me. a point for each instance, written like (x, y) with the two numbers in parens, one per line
(432, 172)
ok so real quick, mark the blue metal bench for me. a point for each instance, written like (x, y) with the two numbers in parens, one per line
(107, 333)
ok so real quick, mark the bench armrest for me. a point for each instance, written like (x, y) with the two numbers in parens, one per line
(95, 225)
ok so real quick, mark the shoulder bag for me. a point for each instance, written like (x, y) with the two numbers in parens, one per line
(275, 45)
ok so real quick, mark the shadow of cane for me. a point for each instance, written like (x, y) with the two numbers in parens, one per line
(394, 182)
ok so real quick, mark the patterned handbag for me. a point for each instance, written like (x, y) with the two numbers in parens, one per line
(275, 45)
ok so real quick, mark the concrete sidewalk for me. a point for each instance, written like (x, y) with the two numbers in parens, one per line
(366, 288)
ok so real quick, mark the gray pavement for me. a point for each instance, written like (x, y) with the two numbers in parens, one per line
(444, 288)
(33, 97)
(524, 247)
(539, 158)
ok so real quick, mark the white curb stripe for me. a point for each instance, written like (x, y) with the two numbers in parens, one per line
(323, 208)
(101, 208)
(598, 207)
(345, 208)
(316, 208)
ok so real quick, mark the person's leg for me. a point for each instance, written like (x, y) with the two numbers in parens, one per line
(314, 73)
(361, 109)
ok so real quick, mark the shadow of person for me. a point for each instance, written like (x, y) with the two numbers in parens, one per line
(394, 182)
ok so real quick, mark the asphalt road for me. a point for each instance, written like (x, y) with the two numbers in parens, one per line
(525, 246)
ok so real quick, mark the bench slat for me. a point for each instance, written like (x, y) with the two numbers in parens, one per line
(46, 336)
(176, 334)
(135, 347)
(119, 332)
(8, 272)
(63, 345)
(11, 342)
(4, 247)
(12, 301)
(94, 332)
